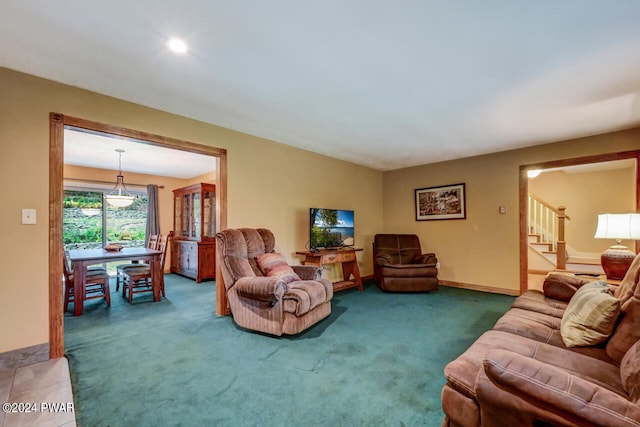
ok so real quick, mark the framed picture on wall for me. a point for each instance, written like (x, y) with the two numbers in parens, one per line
(446, 202)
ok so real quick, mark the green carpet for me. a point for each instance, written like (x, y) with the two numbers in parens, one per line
(376, 361)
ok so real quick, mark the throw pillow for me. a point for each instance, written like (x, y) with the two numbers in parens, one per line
(274, 265)
(590, 316)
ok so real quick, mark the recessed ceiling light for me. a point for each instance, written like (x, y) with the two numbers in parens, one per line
(177, 45)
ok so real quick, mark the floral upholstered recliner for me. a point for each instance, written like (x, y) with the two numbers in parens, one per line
(265, 293)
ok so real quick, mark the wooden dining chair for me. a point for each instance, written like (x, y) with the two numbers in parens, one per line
(138, 279)
(95, 286)
(152, 243)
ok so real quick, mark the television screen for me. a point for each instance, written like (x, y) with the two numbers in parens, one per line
(330, 228)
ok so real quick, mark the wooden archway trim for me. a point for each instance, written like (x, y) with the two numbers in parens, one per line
(57, 123)
(524, 190)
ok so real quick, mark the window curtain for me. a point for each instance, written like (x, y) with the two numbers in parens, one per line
(153, 220)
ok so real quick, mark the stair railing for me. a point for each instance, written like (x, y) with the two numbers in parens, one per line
(548, 222)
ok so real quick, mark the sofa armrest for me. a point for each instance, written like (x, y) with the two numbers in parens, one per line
(429, 259)
(558, 391)
(270, 289)
(562, 287)
(307, 272)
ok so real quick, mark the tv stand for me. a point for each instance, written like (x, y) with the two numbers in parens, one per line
(344, 256)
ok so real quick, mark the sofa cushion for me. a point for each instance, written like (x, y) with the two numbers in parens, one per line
(536, 301)
(274, 265)
(462, 372)
(627, 332)
(630, 373)
(544, 328)
(590, 316)
(630, 282)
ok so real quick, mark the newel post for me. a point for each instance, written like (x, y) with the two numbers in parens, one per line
(561, 262)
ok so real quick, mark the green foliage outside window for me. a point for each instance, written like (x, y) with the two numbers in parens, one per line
(82, 219)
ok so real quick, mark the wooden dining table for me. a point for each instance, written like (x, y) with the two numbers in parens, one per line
(83, 258)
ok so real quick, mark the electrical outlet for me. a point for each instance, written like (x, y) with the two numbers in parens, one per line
(28, 216)
(438, 265)
(502, 209)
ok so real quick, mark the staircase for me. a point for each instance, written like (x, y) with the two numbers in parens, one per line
(547, 245)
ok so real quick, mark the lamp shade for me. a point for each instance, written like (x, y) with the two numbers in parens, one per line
(618, 226)
(119, 197)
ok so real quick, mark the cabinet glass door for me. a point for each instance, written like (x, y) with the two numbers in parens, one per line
(197, 215)
(177, 223)
(209, 214)
(186, 215)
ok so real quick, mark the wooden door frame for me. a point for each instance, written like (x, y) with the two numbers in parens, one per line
(57, 123)
(524, 191)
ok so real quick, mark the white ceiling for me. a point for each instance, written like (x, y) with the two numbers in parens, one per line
(99, 151)
(379, 83)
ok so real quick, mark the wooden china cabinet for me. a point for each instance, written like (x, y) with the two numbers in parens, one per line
(193, 248)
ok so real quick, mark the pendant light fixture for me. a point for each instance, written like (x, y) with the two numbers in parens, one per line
(119, 197)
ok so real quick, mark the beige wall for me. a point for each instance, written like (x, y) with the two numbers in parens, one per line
(585, 195)
(269, 185)
(482, 250)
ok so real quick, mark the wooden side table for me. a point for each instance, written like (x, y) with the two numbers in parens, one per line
(346, 257)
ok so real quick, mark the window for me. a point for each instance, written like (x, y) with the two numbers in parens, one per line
(83, 223)
(88, 223)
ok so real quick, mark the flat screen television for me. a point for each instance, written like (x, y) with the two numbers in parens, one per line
(330, 228)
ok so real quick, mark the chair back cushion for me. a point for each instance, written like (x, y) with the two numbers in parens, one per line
(397, 248)
(239, 249)
(234, 260)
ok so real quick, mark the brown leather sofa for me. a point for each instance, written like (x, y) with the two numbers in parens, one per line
(288, 301)
(400, 266)
(521, 373)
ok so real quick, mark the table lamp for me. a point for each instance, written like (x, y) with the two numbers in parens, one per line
(618, 258)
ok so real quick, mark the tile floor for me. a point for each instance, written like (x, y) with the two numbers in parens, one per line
(37, 395)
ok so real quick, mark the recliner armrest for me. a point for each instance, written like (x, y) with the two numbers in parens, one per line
(383, 260)
(428, 259)
(556, 390)
(270, 289)
(307, 272)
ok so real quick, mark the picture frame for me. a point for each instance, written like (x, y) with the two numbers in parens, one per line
(444, 202)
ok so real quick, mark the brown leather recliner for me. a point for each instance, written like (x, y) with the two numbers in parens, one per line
(400, 266)
(275, 304)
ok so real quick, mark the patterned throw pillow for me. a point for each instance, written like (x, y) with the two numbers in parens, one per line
(274, 265)
(590, 316)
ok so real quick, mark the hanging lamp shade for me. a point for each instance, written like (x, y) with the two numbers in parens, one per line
(119, 197)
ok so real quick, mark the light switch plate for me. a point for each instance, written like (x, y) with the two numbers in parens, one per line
(28, 216)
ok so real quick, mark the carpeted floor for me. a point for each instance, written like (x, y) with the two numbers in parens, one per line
(377, 360)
